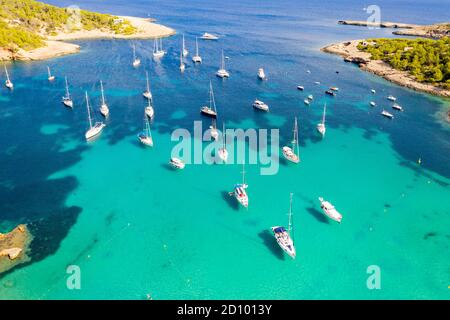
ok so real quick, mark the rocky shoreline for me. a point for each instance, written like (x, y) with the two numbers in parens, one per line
(13, 247)
(349, 51)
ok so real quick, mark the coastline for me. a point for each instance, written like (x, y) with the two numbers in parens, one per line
(57, 46)
(349, 51)
(13, 247)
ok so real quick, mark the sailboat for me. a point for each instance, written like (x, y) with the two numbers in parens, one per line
(290, 153)
(50, 76)
(104, 110)
(223, 153)
(239, 190)
(149, 111)
(158, 51)
(95, 129)
(283, 236)
(321, 126)
(145, 137)
(329, 210)
(196, 58)
(185, 51)
(8, 82)
(182, 65)
(136, 61)
(147, 93)
(213, 130)
(211, 109)
(67, 99)
(222, 73)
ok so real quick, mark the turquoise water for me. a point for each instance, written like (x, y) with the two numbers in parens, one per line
(136, 227)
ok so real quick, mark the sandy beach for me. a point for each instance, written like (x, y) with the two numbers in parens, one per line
(349, 51)
(56, 45)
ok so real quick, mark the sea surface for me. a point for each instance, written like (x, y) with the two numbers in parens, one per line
(138, 229)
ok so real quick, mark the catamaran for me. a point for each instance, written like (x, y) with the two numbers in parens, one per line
(104, 110)
(147, 93)
(258, 104)
(185, 51)
(149, 111)
(182, 65)
(8, 82)
(291, 154)
(177, 163)
(239, 190)
(321, 126)
(222, 73)
(329, 210)
(211, 109)
(261, 74)
(145, 137)
(196, 58)
(158, 51)
(283, 236)
(136, 60)
(95, 129)
(50, 76)
(223, 153)
(209, 36)
(67, 99)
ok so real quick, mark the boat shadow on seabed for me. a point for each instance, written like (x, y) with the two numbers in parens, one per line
(271, 244)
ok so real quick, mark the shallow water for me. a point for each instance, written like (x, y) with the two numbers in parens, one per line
(135, 227)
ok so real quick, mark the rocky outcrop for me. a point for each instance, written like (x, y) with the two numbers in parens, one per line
(13, 247)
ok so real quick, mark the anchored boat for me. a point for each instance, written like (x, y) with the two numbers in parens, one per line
(283, 236)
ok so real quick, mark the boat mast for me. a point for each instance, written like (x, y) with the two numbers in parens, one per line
(224, 136)
(103, 94)
(295, 141)
(160, 44)
(222, 66)
(89, 111)
(243, 173)
(49, 73)
(196, 46)
(290, 225)
(7, 74)
(324, 111)
(212, 102)
(67, 89)
(183, 44)
(134, 52)
(148, 82)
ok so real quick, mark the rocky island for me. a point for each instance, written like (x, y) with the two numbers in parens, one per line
(13, 247)
(420, 64)
(31, 30)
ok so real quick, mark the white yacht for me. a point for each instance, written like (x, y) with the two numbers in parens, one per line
(158, 51)
(182, 65)
(373, 91)
(239, 191)
(392, 98)
(136, 60)
(196, 58)
(177, 163)
(301, 88)
(147, 93)
(373, 104)
(317, 82)
(145, 137)
(306, 101)
(261, 74)
(209, 36)
(104, 110)
(67, 99)
(8, 82)
(291, 154)
(285, 238)
(185, 51)
(321, 126)
(222, 72)
(398, 107)
(50, 76)
(223, 153)
(213, 130)
(329, 210)
(95, 129)
(211, 109)
(258, 104)
(311, 97)
(387, 114)
(334, 88)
